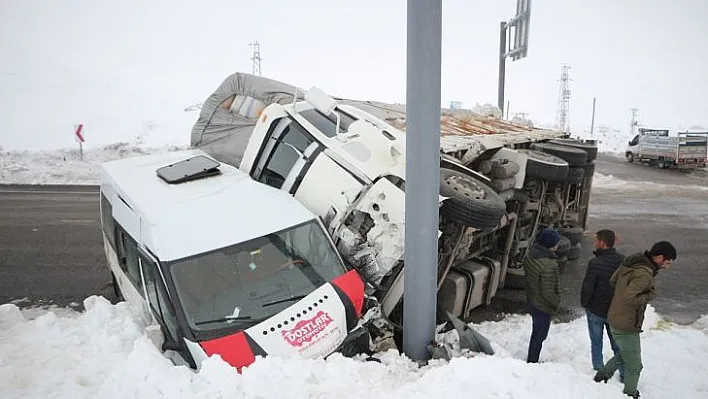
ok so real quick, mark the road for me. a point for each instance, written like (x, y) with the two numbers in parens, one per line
(51, 248)
(643, 205)
(50, 244)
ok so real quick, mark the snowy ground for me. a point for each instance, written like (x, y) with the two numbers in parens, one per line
(64, 166)
(102, 352)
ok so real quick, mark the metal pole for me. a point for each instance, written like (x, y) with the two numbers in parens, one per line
(424, 52)
(502, 65)
(81, 151)
(592, 123)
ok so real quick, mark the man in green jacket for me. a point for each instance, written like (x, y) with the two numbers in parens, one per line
(634, 289)
(542, 288)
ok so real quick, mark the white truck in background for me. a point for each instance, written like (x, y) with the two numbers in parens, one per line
(345, 161)
(655, 147)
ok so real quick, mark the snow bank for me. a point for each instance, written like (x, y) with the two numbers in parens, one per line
(64, 166)
(102, 352)
(611, 183)
(609, 140)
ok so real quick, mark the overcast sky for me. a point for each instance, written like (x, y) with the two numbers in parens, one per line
(133, 64)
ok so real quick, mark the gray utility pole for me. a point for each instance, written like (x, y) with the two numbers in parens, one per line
(502, 67)
(633, 122)
(592, 122)
(424, 53)
(518, 48)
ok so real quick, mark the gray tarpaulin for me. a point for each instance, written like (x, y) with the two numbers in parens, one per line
(229, 114)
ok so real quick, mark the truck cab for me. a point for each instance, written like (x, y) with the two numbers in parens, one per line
(215, 263)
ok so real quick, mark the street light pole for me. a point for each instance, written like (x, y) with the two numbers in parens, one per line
(424, 53)
(502, 67)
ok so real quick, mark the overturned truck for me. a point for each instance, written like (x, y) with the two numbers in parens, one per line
(500, 183)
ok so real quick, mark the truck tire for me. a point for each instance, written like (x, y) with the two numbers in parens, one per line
(562, 263)
(471, 202)
(505, 169)
(574, 156)
(515, 279)
(589, 169)
(564, 246)
(574, 252)
(504, 184)
(590, 149)
(575, 175)
(572, 233)
(506, 195)
(545, 166)
(630, 157)
(485, 167)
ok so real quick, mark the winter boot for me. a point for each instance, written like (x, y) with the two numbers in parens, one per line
(634, 395)
(601, 377)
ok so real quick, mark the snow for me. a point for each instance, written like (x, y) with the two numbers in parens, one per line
(64, 166)
(611, 183)
(102, 352)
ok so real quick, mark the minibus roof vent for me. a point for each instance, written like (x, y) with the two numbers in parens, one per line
(194, 168)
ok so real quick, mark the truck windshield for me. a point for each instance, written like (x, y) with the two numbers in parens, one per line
(251, 281)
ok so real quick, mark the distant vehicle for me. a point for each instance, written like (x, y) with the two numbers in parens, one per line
(217, 263)
(344, 160)
(655, 147)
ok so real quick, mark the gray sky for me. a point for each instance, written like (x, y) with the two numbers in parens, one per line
(132, 65)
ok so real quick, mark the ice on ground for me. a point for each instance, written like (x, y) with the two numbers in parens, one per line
(102, 352)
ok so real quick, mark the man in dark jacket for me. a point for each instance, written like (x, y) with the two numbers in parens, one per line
(542, 288)
(634, 289)
(596, 295)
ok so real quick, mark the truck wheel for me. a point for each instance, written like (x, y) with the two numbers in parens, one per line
(589, 169)
(574, 234)
(504, 184)
(630, 157)
(545, 166)
(590, 149)
(515, 279)
(574, 156)
(574, 252)
(471, 202)
(505, 169)
(575, 175)
(562, 262)
(564, 246)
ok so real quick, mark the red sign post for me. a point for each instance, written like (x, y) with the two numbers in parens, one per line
(78, 131)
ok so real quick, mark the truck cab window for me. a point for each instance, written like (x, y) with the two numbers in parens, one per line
(288, 149)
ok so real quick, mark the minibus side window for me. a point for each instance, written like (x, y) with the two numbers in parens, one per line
(107, 221)
(158, 299)
(128, 258)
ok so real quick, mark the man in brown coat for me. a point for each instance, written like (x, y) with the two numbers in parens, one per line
(634, 288)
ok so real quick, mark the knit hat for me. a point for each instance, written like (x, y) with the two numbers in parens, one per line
(548, 237)
(663, 248)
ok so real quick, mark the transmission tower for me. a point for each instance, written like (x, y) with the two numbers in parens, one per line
(633, 122)
(256, 58)
(563, 110)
